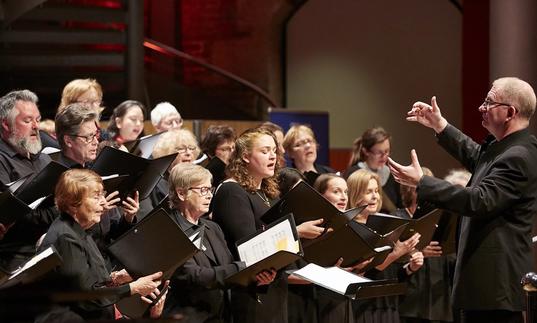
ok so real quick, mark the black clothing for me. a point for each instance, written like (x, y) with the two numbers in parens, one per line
(83, 269)
(48, 141)
(198, 291)
(18, 244)
(68, 162)
(218, 169)
(320, 169)
(495, 248)
(238, 213)
(428, 294)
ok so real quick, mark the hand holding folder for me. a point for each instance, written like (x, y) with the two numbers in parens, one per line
(306, 204)
(144, 174)
(272, 249)
(425, 225)
(354, 243)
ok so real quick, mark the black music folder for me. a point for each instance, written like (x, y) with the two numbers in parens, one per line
(143, 146)
(12, 208)
(35, 186)
(33, 269)
(306, 204)
(273, 248)
(144, 174)
(348, 284)
(354, 243)
(156, 243)
(446, 232)
(425, 225)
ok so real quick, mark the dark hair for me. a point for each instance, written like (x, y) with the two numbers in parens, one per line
(70, 118)
(366, 141)
(120, 112)
(321, 183)
(287, 178)
(215, 135)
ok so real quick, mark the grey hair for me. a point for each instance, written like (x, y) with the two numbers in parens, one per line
(69, 120)
(8, 101)
(184, 176)
(162, 110)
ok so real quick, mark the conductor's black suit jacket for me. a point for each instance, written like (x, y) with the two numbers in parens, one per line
(497, 207)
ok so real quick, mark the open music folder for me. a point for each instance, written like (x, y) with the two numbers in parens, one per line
(274, 248)
(33, 187)
(425, 225)
(12, 208)
(33, 269)
(355, 243)
(349, 284)
(156, 243)
(143, 146)
(144, 174)
(306, 204)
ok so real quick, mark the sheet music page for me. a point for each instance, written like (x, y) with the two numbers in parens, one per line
(333, 278)
(49, 150)
(147, 143)
(37, 258)
(276, 238)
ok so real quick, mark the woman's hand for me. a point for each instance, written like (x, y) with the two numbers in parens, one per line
(404, 247)
(265, 277)
(145, 285)
(416, 261)
(156, 309)
(432, 250)
(131, 206)
(120, 277)
(311, 229)
(111, 200)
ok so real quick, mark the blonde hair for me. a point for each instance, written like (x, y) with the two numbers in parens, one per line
(74, 89)
(238, 168)
(184, 176)
(293, 133)
(73, 185)
(48, 126)
(357, 187)
(169, 142)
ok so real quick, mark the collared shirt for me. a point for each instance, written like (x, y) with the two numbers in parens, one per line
(189, 227)
(14, 165)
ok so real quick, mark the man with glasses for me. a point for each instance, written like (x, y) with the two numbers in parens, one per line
(497, 206)
(78, 134)
(20, 155)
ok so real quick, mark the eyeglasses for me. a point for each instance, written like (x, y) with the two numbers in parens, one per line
(183, 149)
(304, 142)
(380, 154)
(89, 138)
(203, 190)
(95, 103)
(489, 104)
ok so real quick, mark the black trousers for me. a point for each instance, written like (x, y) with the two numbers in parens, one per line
(497, 316)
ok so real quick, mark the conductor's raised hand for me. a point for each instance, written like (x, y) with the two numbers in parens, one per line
(407, 175)
(427, 115)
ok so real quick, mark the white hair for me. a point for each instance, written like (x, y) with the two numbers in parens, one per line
(161, 110)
